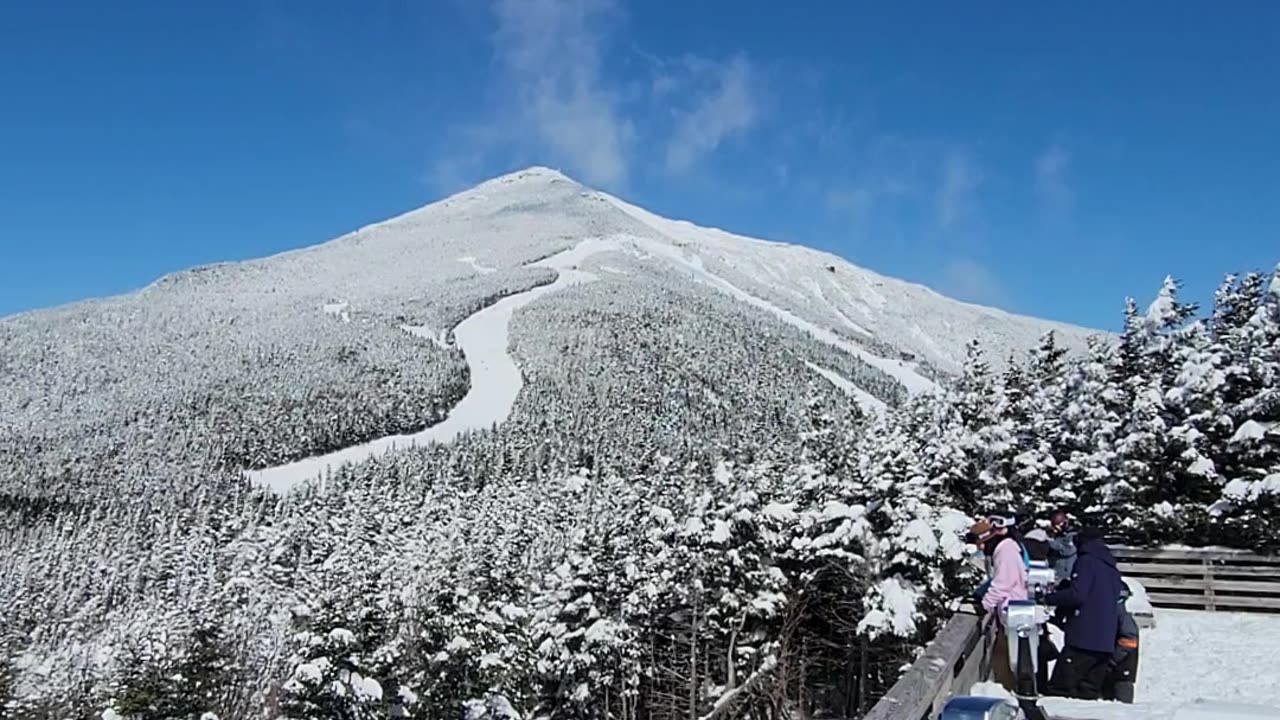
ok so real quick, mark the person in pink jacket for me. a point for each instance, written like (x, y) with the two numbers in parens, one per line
(1008, 582)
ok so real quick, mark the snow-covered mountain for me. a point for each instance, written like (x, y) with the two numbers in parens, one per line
(358, 344)
(574, 460)
(505, 223)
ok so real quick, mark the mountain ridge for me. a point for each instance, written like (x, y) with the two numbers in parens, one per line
(553, 175)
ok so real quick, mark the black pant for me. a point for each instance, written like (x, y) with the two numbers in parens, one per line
(1121, 677)
(1080, 674)
(1048, 653)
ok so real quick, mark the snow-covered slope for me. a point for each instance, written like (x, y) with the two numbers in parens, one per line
(475, 228)
(890, 323)
(273, 361)
(851, 301)
(495, 379)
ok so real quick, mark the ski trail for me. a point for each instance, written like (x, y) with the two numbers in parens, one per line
(691, 235)
(813, 284)
(866, 400)
(910, 379)
(483, 338)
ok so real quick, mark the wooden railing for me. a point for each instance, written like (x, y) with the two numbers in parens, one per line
(950, 665)
(1204, 579)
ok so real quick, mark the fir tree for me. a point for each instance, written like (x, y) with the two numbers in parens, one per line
(8, 675)
(1091, 421)
(151, 686)
(337, 673)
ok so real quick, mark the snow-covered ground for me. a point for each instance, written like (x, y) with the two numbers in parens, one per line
(1194, 664)
(495, 379)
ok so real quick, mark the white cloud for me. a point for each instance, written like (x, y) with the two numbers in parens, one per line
(550, 53)
(569, 91)
(730, 108)
(1052, 186)
(969, 280)
(961, 178)
(880, 187)
(855, 200)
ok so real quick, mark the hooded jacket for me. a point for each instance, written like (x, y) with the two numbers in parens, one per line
(1091, 599)
(1008, 575)
(1126, 634)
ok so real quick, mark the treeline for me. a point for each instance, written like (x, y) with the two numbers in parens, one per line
(590, 594)
(1168, 435)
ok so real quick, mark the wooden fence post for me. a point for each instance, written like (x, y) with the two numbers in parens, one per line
(1208, 583)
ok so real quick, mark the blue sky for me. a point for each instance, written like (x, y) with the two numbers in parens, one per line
(1045, 159)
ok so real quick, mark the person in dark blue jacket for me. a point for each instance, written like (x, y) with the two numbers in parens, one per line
(1089, 602)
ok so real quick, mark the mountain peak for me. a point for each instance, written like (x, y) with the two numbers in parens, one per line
(533, 172)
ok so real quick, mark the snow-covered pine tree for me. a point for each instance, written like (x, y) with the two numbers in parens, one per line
(913, 544)
(469, 648)
(1195, 408)
(1142, 497)
(207, 670)
(1234, 304)
(8, 673)
(1006, 487)
(1047, 485)
(745, 590)
(338, 671)
(152, 683)
(833, 430)
(585, 648)
(1249, 510)
(1091, 420)
(979, 435)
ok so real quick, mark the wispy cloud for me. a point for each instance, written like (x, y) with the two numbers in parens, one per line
(730, 108)
(570, 91)
(966, 279)
(1052, 184)
(550, 52)
(856, 200)
(957, 190)
(876, 188)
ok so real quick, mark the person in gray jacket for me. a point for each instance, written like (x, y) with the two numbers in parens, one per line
(1062, 545)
